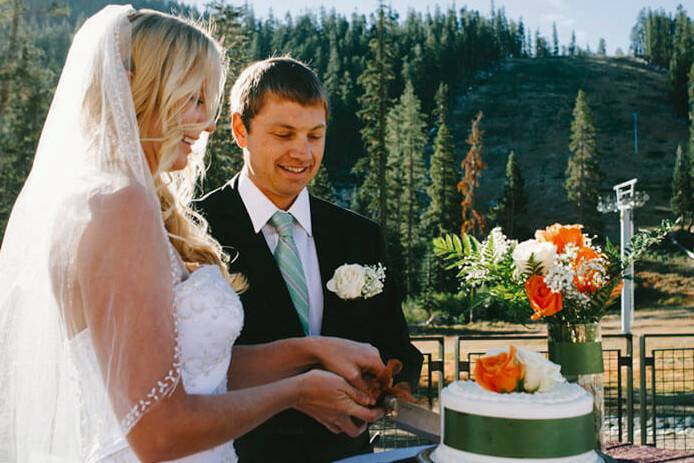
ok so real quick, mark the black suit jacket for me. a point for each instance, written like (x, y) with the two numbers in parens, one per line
(341, 236)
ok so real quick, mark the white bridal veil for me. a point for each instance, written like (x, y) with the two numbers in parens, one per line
(85, 261)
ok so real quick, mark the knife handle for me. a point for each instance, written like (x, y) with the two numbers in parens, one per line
(390, 404)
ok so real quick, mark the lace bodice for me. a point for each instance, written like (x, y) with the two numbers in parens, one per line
(209, 317)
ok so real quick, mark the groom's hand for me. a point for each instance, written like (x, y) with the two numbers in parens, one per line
(333, 402)
(350, 359)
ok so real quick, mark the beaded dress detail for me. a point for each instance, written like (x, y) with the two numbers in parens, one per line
(208, 319)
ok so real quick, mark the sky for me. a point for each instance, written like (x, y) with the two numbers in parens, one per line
(591, 19)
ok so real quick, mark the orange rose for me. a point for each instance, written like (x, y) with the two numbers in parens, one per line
(561, 235)
(585, 276)
(543, 301)
(499, 373)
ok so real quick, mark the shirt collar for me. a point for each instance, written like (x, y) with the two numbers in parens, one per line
(261, 209)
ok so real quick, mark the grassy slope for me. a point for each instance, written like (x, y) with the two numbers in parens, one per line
(527, 106)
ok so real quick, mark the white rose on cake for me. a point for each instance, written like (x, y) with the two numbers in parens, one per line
(541, 375)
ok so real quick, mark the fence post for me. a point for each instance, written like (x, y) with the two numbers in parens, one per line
(456, 365)
(642, 388)
(442, 356)
(630, 388)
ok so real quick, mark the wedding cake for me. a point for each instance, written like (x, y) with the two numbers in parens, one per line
(551, 424)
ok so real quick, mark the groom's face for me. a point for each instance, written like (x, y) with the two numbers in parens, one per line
(283, 147)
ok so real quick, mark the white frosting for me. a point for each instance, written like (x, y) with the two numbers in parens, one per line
(563, 401)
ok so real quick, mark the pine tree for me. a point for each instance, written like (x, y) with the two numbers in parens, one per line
(521, 38)
(583, 174)
(681, 61)
(555, 40)
(572, 44)
(682, 201)
(541, 47)
(442, 214)
(321, 187)
(637, 36)
(26, 89)
(372, 195)
(602, 47)
(472, 220)
(513, 204)
(406, 138)
(224, 156)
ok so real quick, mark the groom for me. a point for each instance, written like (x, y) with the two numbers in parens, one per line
(289, 245)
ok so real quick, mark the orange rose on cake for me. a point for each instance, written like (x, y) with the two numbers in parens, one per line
(500, 373)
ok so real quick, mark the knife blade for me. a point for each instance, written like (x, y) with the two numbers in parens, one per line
(413, 418)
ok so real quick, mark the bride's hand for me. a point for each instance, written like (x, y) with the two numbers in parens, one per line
(349, 359)
(333, 402)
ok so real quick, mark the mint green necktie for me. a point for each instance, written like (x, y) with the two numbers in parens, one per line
(289, 263)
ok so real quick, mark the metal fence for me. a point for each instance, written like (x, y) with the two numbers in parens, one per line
(666, 392)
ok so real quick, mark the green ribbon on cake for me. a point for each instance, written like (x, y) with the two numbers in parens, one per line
(517, 438)
(577, 358)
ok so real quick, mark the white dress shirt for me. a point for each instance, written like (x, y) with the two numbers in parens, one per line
(261, 209)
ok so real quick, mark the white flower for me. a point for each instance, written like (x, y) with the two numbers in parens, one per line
(351, 281)
(541, 375)
(500, 242)
(347, 281)
(542, 253)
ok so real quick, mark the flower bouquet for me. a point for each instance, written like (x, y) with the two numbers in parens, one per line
(560, 276)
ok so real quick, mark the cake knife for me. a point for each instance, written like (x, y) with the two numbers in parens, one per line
(413, 418)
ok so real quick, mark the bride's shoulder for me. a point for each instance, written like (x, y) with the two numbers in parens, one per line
(127, 202)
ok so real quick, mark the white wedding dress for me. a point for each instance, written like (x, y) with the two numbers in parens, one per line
(209, 317)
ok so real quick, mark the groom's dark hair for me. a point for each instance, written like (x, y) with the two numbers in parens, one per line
(284, 77)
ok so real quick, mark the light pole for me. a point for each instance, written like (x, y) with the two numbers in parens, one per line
(625, 200)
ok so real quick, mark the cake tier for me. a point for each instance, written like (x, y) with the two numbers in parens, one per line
(486, 427)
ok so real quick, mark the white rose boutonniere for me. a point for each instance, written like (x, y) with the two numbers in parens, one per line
(352, 281)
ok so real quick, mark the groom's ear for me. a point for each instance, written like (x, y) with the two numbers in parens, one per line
(238, 129)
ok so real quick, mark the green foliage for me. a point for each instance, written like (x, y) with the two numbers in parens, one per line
(513, 204)
(573, 49)
(485, 278)
(555, 40)
(406, 180)
(374, 104)
(682, 201)
(602, 47)
(681, 61)
(321, 187)
(658, 38)
(224, 156)
(26, 88)
(443, 214)
(583, 176)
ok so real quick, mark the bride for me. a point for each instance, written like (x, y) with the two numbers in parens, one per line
(117, 313)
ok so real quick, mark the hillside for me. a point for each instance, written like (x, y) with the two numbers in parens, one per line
(528, 103)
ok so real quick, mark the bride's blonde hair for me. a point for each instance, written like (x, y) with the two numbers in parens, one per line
(174, 61)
